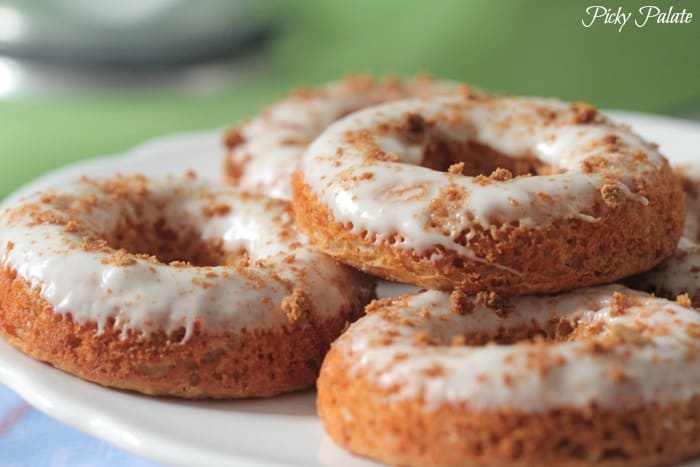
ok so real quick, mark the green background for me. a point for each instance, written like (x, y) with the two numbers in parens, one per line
(518, 47)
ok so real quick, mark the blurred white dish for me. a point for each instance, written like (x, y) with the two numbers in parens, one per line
(279, 431)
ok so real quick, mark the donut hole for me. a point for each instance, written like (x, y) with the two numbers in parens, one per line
(125, 217)
(177, 245)
(469, 157)
(472, 158)
(556, 330)
(560, 330)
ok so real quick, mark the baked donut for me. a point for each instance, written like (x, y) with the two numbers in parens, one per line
(680, 274)
(603, 375)
(170, 286)
(263, 152)
(514, 195)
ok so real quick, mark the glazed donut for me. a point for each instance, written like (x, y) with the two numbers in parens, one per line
(569, 198)
(169, 286)
(263, 152)
(680, 274)
(604, 375)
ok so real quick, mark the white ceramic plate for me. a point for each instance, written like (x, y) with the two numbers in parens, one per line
(280, 431)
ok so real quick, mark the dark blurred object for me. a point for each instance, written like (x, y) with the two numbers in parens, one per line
(49, 46)
(143, 33)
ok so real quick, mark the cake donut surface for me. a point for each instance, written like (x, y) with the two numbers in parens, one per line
(514, 195)
(263, 152)
(171, 286)
(605, 376)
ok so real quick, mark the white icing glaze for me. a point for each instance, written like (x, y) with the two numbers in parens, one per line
(658, 363)
(274, 141)
(680, 273)
(150, 297)
(396, 197)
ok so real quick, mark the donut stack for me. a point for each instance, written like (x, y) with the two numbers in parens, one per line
(536, 229)
(519, 217)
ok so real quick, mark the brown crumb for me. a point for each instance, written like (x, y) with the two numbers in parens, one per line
(611, 140)
(296, 306)
(71, 226)
(384, 156)
(216, 209)
(434, 371)
(47, 198)
(456, 169)
(613, 195)
(618, 304)
(501, 175)
(460, 302)
(584, 112)
(233, 138)
(95, 244)
(10, 246)
(120, 258)
(422, 338)
(495, 302)
(684, 300)
(594, 163)
(375, 306)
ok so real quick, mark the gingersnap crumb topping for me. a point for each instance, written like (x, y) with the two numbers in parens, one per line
(90, 243)
(423, 338)
(233, 138)
(460, 302)
(684, 300)
(120, 258)
(613, 195)
(71, 226)
(583, 112)
(456, 169)
(495, 302)
(385, 156)
(216, 209)
(434, 371)
(618, 304)
(594, 163)
(296, 306)
(501, 175)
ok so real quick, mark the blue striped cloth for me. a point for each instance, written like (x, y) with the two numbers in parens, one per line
(28, 437)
